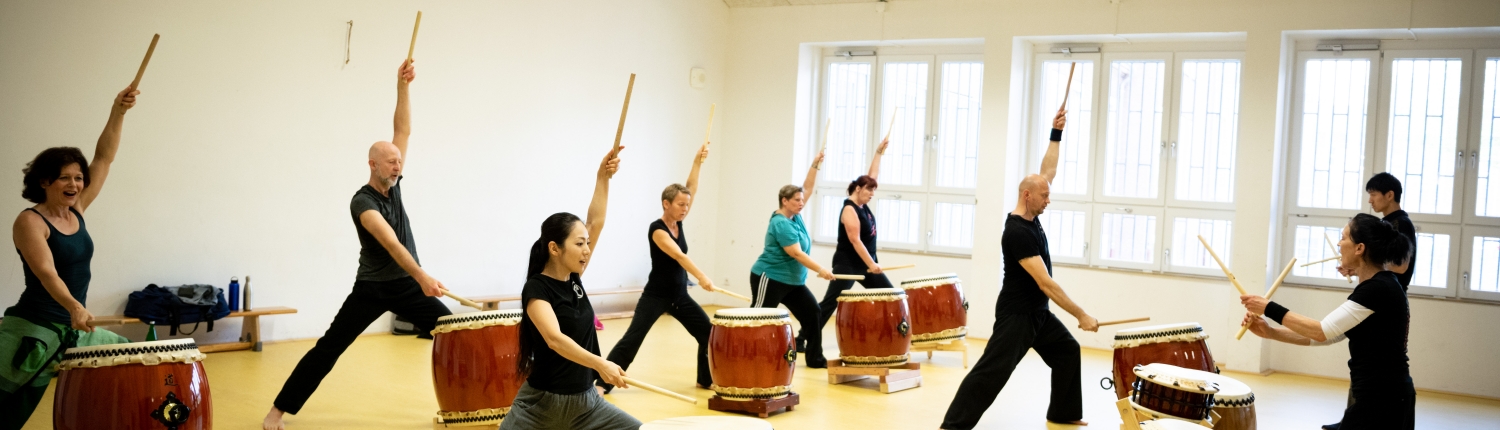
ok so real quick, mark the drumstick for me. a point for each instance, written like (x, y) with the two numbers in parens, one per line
(1325, 260)
(1068, 90)
(144, 61)
(1132, 320)
(1269, 292)
(891, 125)
(710, 131)
(850, 277)
(1336, 253)
(1232, 279)
(827, 125)
(903, 266)
(621, 130)
(732, 294)
(414, 29)
(463, 301)
(659, 390)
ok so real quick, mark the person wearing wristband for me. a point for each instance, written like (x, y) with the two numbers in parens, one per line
(856, 220)
(1376, 320)
(1023, 319)
(779, 276)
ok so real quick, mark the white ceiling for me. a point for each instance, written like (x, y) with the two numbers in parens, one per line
(763, 3)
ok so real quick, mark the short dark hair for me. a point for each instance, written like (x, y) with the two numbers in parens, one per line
(46, 167)
(1383, 183)
(863, 181)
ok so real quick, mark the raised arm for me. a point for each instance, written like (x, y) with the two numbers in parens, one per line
(875, 162)
(30, 233)
(404, 76)
(599, 205)
(104, 150)
(376, 225)
(1038, 271)
(692, 181)
(812, 177)
(546, 323)
(664, 241)
(1049, 161)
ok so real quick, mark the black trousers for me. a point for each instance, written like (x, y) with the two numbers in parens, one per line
(1014, 334)
(368, 301)
(767, 293)
(1388, 405)
(830, 301)
(647, 311)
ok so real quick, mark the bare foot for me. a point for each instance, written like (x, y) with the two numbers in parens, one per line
(1071, 423)
(273, 420)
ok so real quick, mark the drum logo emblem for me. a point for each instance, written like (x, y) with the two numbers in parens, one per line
(171, 382)
(791, 354)
(903, 328)
(171, 412)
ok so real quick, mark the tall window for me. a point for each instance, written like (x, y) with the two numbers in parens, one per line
(930, 106)
(1146, 164)
(1425, 116)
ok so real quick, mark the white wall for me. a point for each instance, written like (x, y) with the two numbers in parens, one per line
(767, 43)
(250, 136)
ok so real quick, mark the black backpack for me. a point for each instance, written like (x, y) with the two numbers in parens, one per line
(174, 306)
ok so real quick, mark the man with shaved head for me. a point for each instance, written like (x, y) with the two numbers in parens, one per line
(390, 277)
(1022, 318)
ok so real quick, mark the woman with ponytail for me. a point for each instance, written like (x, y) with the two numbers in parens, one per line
(1375, 319)
(559, 348)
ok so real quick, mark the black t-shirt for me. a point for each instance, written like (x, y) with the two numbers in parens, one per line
(550, 371)
(1377, 346)
(667, 279)
(844, 254)
(375, 263)
(1022, 239)
(1403, 223)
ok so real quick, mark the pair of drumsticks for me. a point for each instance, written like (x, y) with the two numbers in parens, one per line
(1236, 282)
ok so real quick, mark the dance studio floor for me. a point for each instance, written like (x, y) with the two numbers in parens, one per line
(385, 382)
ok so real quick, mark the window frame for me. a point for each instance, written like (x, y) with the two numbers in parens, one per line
(1172, 135)
(1044, 113)
(923, 222)
(1467, 258)
(1088, 230)
(1455, 246)
(1472, 145)
(1100, 210)
(1101, 107)
(1288, 249)
(1166, 251)
(1294, 151)
(935, 118)
(925, 149)
(1380, 156)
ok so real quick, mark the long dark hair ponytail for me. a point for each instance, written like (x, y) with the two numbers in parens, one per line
(1383, 242)
(555, 229)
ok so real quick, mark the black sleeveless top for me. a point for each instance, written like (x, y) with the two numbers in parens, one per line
(550, 371)
(71, 254)
(668, 279)
(844, 254)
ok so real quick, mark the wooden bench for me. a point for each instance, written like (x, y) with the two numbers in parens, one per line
(249, 331)
(493, 302)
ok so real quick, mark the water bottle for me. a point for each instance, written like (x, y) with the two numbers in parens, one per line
(234, 293)
(247, 292)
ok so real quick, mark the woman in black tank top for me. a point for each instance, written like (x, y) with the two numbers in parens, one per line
(856, 220)
(666, 287)
(53, 242)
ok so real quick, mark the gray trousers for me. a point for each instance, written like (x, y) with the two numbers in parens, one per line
(541, 410)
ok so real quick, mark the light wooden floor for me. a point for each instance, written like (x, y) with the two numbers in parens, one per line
(384, 382)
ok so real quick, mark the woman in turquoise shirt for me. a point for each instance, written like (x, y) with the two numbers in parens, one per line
(779, 276)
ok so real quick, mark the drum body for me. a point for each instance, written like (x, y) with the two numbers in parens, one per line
(874, 328)
(708, 422)
(147, 385)
(1173, 391)
(939, 313)
(1179, 345)
(474, 359)
(1235, 403)
(751, 353)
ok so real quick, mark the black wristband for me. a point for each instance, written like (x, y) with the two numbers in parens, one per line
(1057, 135)
(1276, 311)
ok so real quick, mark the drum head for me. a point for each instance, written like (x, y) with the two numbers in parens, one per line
(475, 316)
(768, 313)
(1232, 393)
(874, 292)
(931, 281)
(147, 353)
(1177, 378)
(1179, 332)
(708, 422)
(1165, 425)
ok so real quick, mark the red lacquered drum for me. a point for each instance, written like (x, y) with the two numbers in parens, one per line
(1164, 391)
(1234, 402)
(751, 353)
(874, 327)
(939, 313)
(1179, 345)
(147, 385)
(474, 365)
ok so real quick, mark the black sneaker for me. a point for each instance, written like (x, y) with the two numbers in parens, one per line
(801, 344)
(816, 361)
(1334, 426)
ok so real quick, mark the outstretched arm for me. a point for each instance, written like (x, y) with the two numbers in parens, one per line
(1038, 271)
(376, 225)
(404, 76)
(104, 150)
(692, 182)
(875, 163)
(30, 233)
(546, 323)
(1049, 161)
(795, 250)
(598, 206)
(665, 243)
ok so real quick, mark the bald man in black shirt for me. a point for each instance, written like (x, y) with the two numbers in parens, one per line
(1022, 318)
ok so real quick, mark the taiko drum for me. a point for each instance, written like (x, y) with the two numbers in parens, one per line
(146, 385)
(474, 359)
(751, 354)
(939, 313)
(874, 327)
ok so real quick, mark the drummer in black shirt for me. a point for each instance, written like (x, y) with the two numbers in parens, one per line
(1385, 198)
(855, 252)
(1376, 319)
(1023, 319)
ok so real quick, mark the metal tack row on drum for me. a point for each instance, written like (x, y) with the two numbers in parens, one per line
(146, 385)
(1170, 378)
